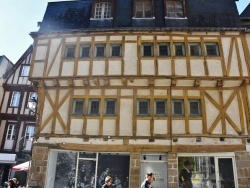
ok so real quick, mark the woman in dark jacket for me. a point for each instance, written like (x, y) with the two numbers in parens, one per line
(185, 175)
(108, 182)
(11, 184)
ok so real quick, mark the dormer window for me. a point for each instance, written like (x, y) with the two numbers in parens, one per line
(175, 8)
(143, 9)
(102, 10)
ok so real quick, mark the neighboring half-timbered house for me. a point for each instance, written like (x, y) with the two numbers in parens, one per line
(17, 123)
(127, 87)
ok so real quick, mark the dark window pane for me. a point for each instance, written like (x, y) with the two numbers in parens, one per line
(110, 107)
(160, 108)
(100, 50)
(179, 50)
(212, 50)
(147, 50)
(143, 108)
(78, 107)
(178, 108)
(164, 50)
(94, 109)
(70, 52)
(195, 50)
(194, 107)
(116, 51)
(84, 51)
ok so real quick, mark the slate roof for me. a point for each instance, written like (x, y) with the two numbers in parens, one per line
(76, 15)
(246, 12)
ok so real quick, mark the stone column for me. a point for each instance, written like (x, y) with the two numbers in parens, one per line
(243, 168)
(135, 174)
(172, 170)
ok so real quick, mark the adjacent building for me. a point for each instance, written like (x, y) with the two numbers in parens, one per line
(127, 87)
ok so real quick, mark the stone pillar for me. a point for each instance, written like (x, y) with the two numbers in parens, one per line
(243, 168)
(172, 170)
(38, 169)
(135, 174)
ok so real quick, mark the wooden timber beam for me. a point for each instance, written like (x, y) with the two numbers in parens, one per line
(219, 83)
(96, 82)
(197, 83)
(174, 82)
(124, 81)
(106, 82)
(56, 83)
(151, 82)
(85, 82)
(71, 82)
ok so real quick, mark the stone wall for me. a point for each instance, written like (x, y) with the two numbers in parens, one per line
(172, 170)
(243, 168)
(135, 174)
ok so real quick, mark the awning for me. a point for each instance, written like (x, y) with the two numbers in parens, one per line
(6, 158)
(23, 166)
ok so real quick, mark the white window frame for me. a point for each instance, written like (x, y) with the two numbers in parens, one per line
(152, 49)
(13, 128)
(194, 44)
(155, 106)
(25, 71)
(106, 101)
(30, 133)
(216, 48)
(199, 107)
(84, 46)
(67, 47)
(138, 107)
(168, 49)
(31, 96)
(74, 106)
(104, 51)
(182, 106)
(15, 99)
(104, 6)
(90, 106)
(183, 49)
(111, 50)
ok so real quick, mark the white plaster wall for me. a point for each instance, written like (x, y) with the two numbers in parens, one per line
(52, 52)
(17, 75)
(214, 94)
(162, 82)
(131, 38)
(164, 67)
(242, 56)
(83, 68)
(163, 38)
(23, 80)
(158, 92)
(80, 92)
(110, 92)
(178, 38)
(5, 102)
(71, 39)
(115, 82)
(41, 53)
(109, 126)
(143, 92)
(234, 70)
(214, 67)
(92, 127)
(160, 127)
(194, 93)
(180, 67)
(38, 70)
(226, 46)
(126, 114)
(143, 128)
(68, 68)
(9, 80)
(195, 126)
(76, 126)
(96, 92)
(139, 82)
(85, 39)
(48, 127)
(130, 59)
(147, 67)
(98, 68)
(44, 41)
(226, 95)
(58, 128)
(177, 93)
(197, 67)
(56, 66)
(147, 38)
(178, 126)
(114, 68)
(191, 39)
(234, 114)
(230, 129)
(218, 128)
(115, 38)
(185, 83)
(100, 38)
(205, 83)
(126, 92)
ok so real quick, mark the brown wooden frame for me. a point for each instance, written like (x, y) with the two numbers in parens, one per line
(143, 9)
(183, 8)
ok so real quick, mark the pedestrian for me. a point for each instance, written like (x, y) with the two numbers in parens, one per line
(185, 175)
(108, 182)
(11, 184)
(149, 178)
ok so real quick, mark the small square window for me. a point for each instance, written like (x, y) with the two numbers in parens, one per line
(194, 108)
(194, 49)
(179, 49)
(143, 9)
(163, 49)
(175, 8)
(78, 107)
(84, 50)
(100, 50)
(147, 50)
(115, 50)
(70, 52)
(160, 107)
(178, 108)
(25, 71)
(110, 107)
(143, 107)
(94, 108)
(212, 49)
(102, 10)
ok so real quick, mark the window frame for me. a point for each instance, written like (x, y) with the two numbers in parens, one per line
(29, 97)
(182, 106)
(143, 51)
(104, 52)
(175, 12)
(75, 100)
(217, 48)
(105, 111)
(67, 47)
(168, 48)
(138, 107)
(193, 44)
(12, 98)
(90, 107)
(183, 49)
(143, 9)
(102, 9)
(111, 50)
(80, 52)
(22, 71)
(199, 107)
(155, 107)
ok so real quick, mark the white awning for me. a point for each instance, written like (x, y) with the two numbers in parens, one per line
(6, 158)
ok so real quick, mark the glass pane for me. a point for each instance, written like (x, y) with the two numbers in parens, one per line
(94, 108)
(164, 50)
(170, 9)
(178, 108)
(143, 108)
(116, 51)
(147, 50)
(138, 10)
(160, 107)
(87, 155)
(110, 107)
(226, 173)
(179, 50)
(70, 52)
(84, 51)
(148, 9)
(78, 107)
(195, 50)
(194, 107)
(212, 50)
(100, 50)
(86, 174)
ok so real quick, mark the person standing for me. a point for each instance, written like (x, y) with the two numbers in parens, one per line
(149, 178)
(108, 182)
(185, 175)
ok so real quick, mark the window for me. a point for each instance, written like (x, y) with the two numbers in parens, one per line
(110, 107)
(94, 107)
(32, 95)
(115, 50)
(163, 49)
(179, 49)
(147, 50)
(194, 108)
(11, 134)
(100, 50)
(174, 9)
(143, 107)
(15, 99)
(25, 70)
(178, 108)
(78, 106)
(84, 50)
(194, 49)
(143, 9)
(102, 10)
(212, 49)
(70, 52)
(29, 133)
(160, 107)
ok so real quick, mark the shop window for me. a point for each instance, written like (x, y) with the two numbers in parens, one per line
(175, 8)
(163, 49)
(110, 107)
(70, 51)
(194, 108)
(194, 49)
(100, 50)
(94, 108)
(78, 107)
(179, 49)
(178, 108)
(143, 107)
(143, 9)
(212, 49)
(147, 50)
(115, 50)
(102, 10)
(25, 70)
(15, 99)
(160, 107)
(85, 50)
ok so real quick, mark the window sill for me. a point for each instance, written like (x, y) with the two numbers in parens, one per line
(101, 18)
(152, 18)
(183, 18)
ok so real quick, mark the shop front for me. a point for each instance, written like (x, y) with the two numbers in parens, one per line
(6, 163)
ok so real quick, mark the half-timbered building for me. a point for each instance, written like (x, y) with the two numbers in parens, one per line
(127, 87)
(17, 122)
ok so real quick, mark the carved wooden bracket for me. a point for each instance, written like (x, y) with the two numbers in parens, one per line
(219, 83)
(96, 81)
(71, 82)
(197, 83)
(85, 82)
(55, 82)
(124, 81)
(174, 82)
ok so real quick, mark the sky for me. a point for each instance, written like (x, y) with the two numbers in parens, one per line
(19, 17)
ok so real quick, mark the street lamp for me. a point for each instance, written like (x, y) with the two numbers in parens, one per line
(32, 105)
